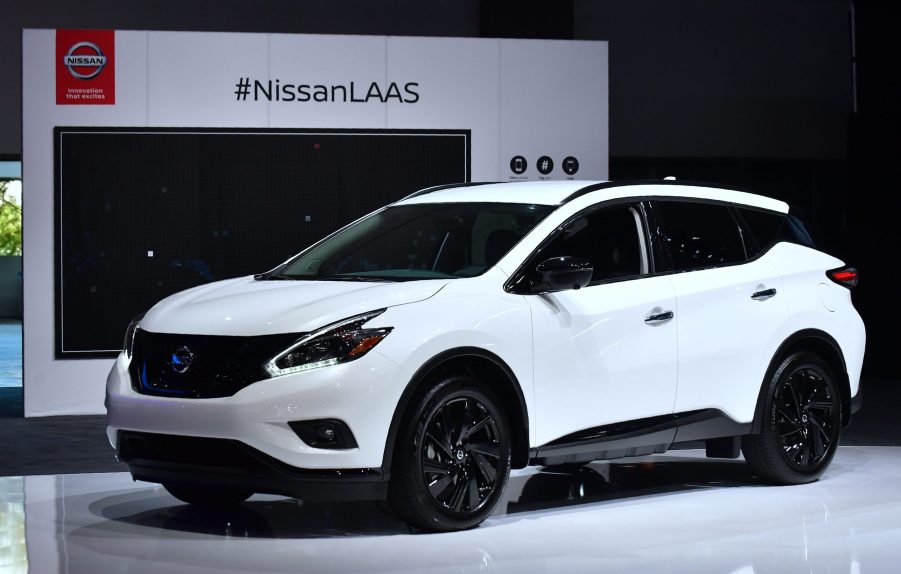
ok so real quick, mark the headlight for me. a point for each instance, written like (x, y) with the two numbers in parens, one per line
(337, 343)
(130, 335)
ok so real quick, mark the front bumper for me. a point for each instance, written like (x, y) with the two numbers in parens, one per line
(363, 394)
(224, 463)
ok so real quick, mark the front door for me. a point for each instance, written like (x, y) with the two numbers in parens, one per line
(605, 353)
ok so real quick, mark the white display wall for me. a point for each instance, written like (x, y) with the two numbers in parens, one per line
(528, 98)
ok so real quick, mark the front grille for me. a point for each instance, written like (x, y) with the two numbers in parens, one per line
(201, 366)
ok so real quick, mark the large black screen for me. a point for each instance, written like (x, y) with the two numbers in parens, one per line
(144, 213)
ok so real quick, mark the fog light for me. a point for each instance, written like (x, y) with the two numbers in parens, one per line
(329, 433)
(326, 432)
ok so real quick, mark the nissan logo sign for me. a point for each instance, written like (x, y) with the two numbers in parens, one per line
(86, 64)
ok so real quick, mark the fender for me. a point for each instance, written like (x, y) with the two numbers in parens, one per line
(836, 361)
(519, 416)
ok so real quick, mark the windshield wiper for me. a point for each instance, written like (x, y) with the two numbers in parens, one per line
(360, 278)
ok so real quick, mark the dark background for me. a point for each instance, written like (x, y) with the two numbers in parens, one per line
(201, 201)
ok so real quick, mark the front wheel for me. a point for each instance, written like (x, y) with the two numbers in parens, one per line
(802, 422)
(453, 457)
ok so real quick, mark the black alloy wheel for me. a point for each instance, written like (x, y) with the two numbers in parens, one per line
(802, 423)
(461, 455)
(453, 459)
(804, 407)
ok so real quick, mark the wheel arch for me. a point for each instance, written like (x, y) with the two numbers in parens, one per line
(484, 365)
(823, 345)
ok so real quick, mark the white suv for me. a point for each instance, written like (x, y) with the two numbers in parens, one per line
(426, 349)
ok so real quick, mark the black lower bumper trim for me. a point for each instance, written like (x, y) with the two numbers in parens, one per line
(225, 463)
(638, 437)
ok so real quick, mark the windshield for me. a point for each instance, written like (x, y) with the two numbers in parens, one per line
(425, 241)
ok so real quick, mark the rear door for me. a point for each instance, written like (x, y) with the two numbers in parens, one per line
(731, 310)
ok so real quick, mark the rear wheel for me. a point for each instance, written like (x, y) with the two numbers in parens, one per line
(203, 496)
(453, 458)
(802, 422)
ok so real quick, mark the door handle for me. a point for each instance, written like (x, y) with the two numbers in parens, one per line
(659, 318)
(763, 295)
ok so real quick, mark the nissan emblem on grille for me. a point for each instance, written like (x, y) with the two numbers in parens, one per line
(181, 360)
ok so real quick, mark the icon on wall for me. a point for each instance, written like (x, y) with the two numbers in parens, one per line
(570, 165)
(545, 165)
(518, 164)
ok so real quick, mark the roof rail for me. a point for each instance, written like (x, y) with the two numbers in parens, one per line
(624, 183)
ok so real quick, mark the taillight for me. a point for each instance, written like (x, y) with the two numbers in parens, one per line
(844, 276)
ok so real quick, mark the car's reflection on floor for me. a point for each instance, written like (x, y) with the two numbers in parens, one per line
(534, 489)
(677, 513)
(260, 517)
(556, 486)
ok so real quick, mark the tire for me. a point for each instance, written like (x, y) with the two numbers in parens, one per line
(205, 496)
(802, 422)
(452, 459)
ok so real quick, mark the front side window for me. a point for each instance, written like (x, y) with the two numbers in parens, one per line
(425, 241)
(700, 235)
(611, 238)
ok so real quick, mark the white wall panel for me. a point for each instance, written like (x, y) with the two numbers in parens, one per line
(459, 89)
(192, 78)
(554, 103)
(327, 61)
(50, 386)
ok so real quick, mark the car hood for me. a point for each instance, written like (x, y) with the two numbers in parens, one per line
(246, 307)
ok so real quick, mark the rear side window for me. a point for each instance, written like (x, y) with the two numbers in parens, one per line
(699, 235)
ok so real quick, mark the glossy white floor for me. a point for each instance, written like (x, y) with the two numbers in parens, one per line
(673, 513)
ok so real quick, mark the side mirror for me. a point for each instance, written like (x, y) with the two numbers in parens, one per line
(562, 273)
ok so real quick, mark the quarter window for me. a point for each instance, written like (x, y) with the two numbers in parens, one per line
(765, 226)
(699, 235)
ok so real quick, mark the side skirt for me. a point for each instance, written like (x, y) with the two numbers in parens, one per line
(637, 437)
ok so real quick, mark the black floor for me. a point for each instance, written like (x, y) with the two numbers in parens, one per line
(878, 423)
(51, 445)
(76, 444)
(11, 402)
